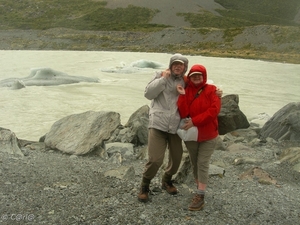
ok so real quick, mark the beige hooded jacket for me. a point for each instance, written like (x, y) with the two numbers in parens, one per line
(163, 94)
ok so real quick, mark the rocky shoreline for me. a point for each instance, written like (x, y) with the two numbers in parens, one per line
(252, 181)
(257, 43)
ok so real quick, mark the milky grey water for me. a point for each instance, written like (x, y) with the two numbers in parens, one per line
(263, 87)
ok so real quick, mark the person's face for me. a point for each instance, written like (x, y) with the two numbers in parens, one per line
(197, 78)
(177, 68)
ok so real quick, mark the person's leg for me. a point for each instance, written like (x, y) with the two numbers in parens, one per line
(157, 144)
(156, 151)
(175, 153)
(192, 147)
(205, 151)
(175, 156)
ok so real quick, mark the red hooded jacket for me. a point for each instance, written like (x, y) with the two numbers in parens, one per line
(202, 109)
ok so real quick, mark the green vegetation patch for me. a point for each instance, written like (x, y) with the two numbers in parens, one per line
(207, 19)
(251, 18)
(261, 11)
(284, 10)
(230, 33)
(242, 13)
(75, 14)
(284, 34)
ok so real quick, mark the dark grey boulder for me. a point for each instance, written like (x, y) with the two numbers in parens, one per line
(284, 124)
(138, 122)
(231, 117)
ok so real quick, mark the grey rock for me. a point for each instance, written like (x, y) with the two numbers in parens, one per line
(215, 170)
(141, 152)
(122, 172)
(247, 135)
(124, 135)
(125, 149)
(290, 154)
(220, 143)
(74, 157)
(115, 158)
(247, 160)
(138, 122)
(231, 117)
(297, 167)
(82, 133)
(135, 130)
(238, 148)
(284, 124)
(271, 140)
(9, 142)
(257, 173)
(255, 142)
(37, 146)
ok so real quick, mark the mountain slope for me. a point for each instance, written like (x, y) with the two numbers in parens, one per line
(145, 14)
(168, 9)
(175, 12)
(257, 29)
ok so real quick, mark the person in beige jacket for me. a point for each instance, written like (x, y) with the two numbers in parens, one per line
(164, 119)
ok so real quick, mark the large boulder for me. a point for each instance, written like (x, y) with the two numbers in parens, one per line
(138, 123)
(284, 124)
(291, 154)
(82, 133)
(231, 117)
(135, 131)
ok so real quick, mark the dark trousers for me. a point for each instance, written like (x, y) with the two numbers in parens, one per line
(158, 142)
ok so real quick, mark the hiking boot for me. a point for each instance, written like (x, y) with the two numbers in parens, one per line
(169, 187)
(143, 194)
(197, 203)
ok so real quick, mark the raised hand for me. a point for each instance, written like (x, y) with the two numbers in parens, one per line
(180, 89)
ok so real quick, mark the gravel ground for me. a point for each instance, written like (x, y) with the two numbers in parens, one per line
(48, 187)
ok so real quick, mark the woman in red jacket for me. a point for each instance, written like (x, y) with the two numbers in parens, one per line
(199, 102)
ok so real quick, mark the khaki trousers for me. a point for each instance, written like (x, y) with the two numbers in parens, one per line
(200, 154)
(158, 141)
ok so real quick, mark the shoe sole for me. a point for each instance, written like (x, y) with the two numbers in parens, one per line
(143, 200)
(171, 193)
(196, 209)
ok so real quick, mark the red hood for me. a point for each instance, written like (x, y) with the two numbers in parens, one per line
(197, 68)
